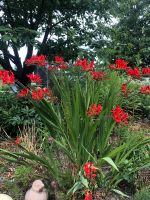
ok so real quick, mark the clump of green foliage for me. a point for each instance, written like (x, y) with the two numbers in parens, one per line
(13, 190)
(137, 104)
(24, 175)
(15, 113)
(144, 194)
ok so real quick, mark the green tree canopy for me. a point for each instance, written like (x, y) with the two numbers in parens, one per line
(63, 25)
(130, 37)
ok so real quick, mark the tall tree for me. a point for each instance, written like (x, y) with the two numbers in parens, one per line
(63, 25)
(130, 36)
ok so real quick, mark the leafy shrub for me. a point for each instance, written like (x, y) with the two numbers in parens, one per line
(15, 113)
(137, 104)
(145, 101)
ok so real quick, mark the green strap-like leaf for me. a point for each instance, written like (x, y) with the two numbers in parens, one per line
(111, 162)
(120, 193)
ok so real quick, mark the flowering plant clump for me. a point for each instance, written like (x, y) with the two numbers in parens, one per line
(36, 60)
(119, 115)
(59, 59)
(7, 77)
(135, 73)
(82, 119)
(39, 93)
(120, 64)
(98, 75)
(23, 92)
(94, 110)
(59, 64)
(34, 78)
(84, 64)
(88, 195)
(89, 170)
(145, 89)
(146, 71)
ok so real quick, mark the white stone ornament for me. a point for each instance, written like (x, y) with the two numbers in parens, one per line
(5, 197)
(36, 192)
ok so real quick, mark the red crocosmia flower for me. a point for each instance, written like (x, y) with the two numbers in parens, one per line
(63, 66)
(121, 64)
(34, 78)
(36, 60)
(2, 72)
(7, 77)
(88, 196)
(119, 115)
(78, 63)
(135, 73)
(87, 66)
(94, 110)
(98, 75)
(58, 59)
(39, 93)
(47, 91)
(124, 89)
(23, 92)
(89, 170)
(145, 89)
(84, 64)
(52, 68)
(18, 140)
(146, 71)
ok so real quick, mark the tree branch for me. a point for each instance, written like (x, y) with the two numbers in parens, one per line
(29, 51)
(48, 29)
(53, 25)
(7, 54)
(3, 63)
(17, 60)
(39, 13)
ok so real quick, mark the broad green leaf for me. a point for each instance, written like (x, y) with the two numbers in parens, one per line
(84, 182)
(111, 162)
(78, 185)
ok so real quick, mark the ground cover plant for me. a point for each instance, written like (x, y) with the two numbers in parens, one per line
(81, 110)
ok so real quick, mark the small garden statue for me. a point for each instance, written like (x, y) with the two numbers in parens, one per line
(37, 191)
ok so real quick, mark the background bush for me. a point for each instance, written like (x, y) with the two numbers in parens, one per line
(16, 113)
(136, 103)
